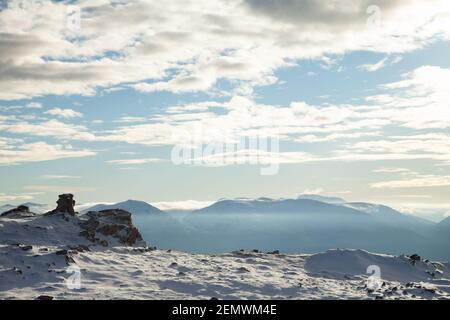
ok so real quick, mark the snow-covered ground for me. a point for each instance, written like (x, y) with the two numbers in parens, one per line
(34, 262)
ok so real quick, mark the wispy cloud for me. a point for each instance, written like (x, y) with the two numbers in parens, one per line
(187, 205)
(374, 67)
(39, 151)
(420, 181)
(13, 197)
(56, 176)
(380, 64)
(58, 188)
(135, 161)
(64, 113)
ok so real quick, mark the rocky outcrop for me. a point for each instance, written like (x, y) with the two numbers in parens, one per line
(19, 212)
(63, 227)
(65, 205)
(116, 225)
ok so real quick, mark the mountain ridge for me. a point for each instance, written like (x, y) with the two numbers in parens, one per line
(133, 206)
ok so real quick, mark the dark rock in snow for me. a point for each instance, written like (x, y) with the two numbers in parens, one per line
(65, 204)
(44, 297)
(414, 258)
(62, 252)
(113, 223)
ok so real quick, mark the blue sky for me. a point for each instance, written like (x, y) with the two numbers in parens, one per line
(94, 104)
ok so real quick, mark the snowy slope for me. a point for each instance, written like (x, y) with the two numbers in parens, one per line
(36, 252)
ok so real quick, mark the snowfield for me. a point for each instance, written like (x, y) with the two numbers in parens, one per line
(38, 255)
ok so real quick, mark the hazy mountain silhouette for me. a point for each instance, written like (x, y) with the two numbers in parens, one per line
(133, 206)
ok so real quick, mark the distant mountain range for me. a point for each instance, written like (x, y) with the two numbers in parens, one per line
(309, 223)
(318, 205)
(265, 205)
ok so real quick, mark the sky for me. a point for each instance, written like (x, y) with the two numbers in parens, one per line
(96, 96)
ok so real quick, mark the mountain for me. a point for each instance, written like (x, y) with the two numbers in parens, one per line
(266, 205)
(6, 207)
(445, 223)
(442, 230)
(304, 225)
(133, 206)
(318, 205)
(34, 207)
(438, 243)
(331, 200)
(385, 214)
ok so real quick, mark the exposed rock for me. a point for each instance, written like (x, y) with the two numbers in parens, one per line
(414, 258)
(274, 252)
(19, 212)
(113, 223)
(44, 297)
(65, 204)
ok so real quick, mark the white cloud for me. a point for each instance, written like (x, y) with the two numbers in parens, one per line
(190, 45)
(58, 188)
(313, 191)
(392, 170)
(14, 197)
(421, 181)
(135, 161)
(50, 128)
(34, 105)
(374, 67)
(64, 113)
(380, 64)
(58, 176)
(38, 151)
(419, 101)
(187, 205)
(128, 119)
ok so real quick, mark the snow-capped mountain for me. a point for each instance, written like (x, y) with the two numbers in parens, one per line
(133, 206)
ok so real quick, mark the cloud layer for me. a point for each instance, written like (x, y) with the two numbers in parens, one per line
(187, 46)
